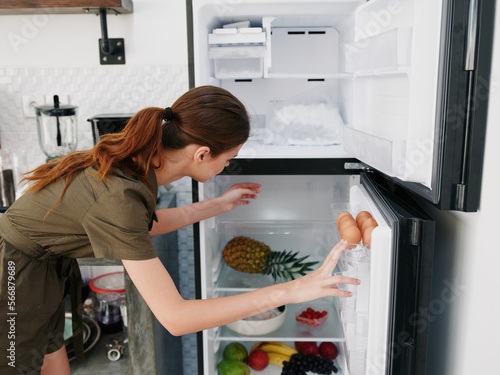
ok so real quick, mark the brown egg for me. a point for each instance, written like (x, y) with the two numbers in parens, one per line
(370, 222)
(346, 223)
(367, 234)
(351, 234)
(344, 216)
(361, 218)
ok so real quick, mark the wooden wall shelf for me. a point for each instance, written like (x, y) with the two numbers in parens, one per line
(12, 7)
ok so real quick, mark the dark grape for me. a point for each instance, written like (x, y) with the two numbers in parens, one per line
(300, 363)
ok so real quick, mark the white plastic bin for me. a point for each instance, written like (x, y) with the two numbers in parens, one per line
(243, 62)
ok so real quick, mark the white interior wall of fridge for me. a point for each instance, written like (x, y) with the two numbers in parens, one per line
(330, 78)
(299, 213)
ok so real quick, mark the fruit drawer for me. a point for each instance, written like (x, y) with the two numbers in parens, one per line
(266, 357)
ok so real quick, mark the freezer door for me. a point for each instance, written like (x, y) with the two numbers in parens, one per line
(409, 285)
(420, 94)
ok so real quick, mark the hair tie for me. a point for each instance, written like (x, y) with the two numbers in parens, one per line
(168, 113)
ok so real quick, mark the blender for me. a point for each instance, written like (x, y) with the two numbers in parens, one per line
(57, 128)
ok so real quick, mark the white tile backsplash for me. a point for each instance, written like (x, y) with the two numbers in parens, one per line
(95, 90)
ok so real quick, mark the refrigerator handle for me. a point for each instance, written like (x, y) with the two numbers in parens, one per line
(471, 38)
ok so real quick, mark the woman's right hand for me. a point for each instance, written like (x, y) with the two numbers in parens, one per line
(239, 194)
(320, 282)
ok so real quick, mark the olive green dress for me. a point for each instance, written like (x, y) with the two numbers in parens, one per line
(103, 219)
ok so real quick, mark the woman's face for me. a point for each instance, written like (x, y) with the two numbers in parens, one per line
(193, 161)
(212, 166)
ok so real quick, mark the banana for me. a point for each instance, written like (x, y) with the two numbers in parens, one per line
(275, 346)
(280, 348)
(277, 358)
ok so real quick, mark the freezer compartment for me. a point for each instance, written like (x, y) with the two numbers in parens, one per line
(373, 67)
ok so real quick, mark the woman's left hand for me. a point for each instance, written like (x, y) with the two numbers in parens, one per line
(320, 282)
(238, 195)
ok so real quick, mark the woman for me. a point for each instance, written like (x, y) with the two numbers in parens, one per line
(101, 203)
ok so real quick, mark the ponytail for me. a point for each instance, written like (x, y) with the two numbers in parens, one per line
(207, 116)
(131, 150)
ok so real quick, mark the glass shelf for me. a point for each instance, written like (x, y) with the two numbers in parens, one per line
(291, 330)
(230, 280)
(274, 227)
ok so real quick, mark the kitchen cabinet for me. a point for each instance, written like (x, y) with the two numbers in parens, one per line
(11, 7)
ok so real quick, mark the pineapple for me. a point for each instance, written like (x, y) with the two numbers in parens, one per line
(245, 254)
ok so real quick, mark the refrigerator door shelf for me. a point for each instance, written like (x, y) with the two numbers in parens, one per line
(357, 311)
(385, 51)
(386, 154)
(398, 113)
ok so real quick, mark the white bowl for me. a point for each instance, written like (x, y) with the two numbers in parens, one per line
(258, 327)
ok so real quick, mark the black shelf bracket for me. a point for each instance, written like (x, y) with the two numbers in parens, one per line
(111, 51)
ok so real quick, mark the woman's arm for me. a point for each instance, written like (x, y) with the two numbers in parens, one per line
(170, 219)
(180, 316)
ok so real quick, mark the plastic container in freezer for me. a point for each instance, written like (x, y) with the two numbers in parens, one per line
(237, 52)
(243, 62)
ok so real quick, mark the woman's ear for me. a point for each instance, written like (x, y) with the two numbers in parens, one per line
(201, 153)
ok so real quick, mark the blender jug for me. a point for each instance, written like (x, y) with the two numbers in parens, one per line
(57, 131)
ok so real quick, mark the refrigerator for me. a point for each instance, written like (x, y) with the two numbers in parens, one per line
(355, 106)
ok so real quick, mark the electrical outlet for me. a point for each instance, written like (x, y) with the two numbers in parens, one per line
(29, 103)
(63, 99)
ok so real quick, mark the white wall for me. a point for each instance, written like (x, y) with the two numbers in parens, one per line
(154, 34)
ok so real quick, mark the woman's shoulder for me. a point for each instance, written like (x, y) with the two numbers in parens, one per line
(118, 181)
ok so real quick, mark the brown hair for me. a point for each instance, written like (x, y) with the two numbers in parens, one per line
(206, 115)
